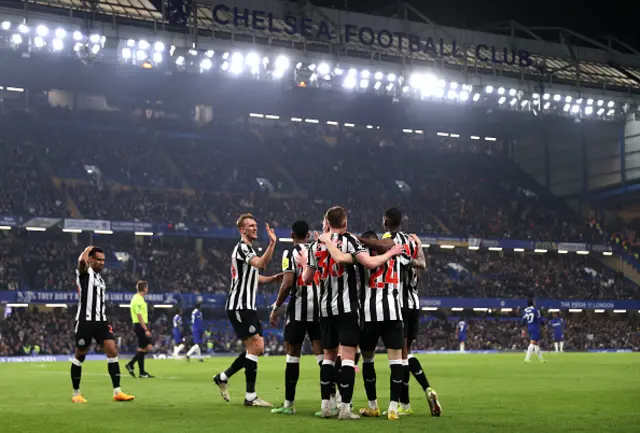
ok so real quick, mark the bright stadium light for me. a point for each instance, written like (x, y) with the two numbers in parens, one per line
(452, 94)
(16, 39)
(378, 76)
(349, 82)
(131, 43)
(476, 97)
(546, 105)
(464, 96)
(158, 47)
(501, 91)
(42, 31)
(453, 85)
(78, 46)
(557, 97)
(157, 57)
(237, 63)
(180, 61)
(141, 55)
(588, 111)
(323, 68)
(546, 96)
(589, 101)
(352, 72)
(282, 62)
(210, 54)
(535, 96)
(253, 61)
(377, 85)
(57, 44)
(365, 74)
(312, 67)
(575, 109)
(364, 84)
(6, 25)
(206, 64)
(489, 89)
(38, 42)
(513, 102)
(600, 111)
(61, 33)
(502, 100)
(512, 92)
(391, 77)
(566, 107)
(568, 99)
(23, 29)
(95, 39)
(611, 104)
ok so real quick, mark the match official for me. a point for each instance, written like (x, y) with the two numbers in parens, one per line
(140, 319)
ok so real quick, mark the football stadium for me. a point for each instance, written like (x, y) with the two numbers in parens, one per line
(344, 216)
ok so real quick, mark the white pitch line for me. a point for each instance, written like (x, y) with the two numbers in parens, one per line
(107, 375)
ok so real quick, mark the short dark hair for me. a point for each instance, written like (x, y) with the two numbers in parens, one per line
(530, 302)
(142, 285)
(300, 229)
(393, 216)
(336, 217)
(369, 234)
(95, 250)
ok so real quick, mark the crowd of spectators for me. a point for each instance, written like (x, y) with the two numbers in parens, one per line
(32, 332)
(175, 265)
(115, 166)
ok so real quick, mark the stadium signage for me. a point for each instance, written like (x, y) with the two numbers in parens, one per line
(259, 20)
(29, 297)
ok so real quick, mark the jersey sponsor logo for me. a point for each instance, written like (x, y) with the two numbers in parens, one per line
(252, 328)
(285, 263)
(81, 342)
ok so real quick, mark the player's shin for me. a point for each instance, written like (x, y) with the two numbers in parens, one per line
(418, 373)
(291, 375)
(369, 377)
(396, 384)
(555, 346)
(76, 373)
(114, 371)
(347, 380)
(530, 350)
(406, 375)
(236, 366)
(562, 346)
(251, 374)
(326, 383)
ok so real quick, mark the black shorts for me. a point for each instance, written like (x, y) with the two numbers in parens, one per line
(84, 332)
(342, 330)
(143, 340)
(295, 331)
(411, 319)
(391, 332)
(245, 323)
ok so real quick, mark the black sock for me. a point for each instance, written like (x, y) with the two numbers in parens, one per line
(141, 362)
(406, 375)
(416, 369)
(369, 377)
(114, 371)
(236, 366)
(327, 387)
(396, 382)
(251, 372)
(76, 375)
(132, 361)
(357, 360)
(337, 368)
(347, 381)
(291, 376)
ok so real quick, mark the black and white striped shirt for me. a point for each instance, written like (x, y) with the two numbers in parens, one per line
(380, 293)
(92, 306)
(408, 275)
(338, 284)
(304, 303)
(244, 279)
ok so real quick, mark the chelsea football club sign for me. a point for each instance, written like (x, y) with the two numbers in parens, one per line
(259, 20)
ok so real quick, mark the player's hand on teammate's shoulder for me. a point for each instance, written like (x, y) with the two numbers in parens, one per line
(416, 239)
(396, 250)
(324, 237)
(272, 234)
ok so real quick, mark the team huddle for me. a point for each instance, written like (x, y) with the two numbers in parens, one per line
(346, 293)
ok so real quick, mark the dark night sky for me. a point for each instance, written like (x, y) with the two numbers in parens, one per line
(617, 17)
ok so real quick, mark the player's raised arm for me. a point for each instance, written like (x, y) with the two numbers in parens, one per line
(83, 260)
(262, 261)
(311, 264)
(419, 259)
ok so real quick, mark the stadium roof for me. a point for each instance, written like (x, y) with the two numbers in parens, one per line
(564, 61)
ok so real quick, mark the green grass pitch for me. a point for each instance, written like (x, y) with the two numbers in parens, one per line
(479, 393)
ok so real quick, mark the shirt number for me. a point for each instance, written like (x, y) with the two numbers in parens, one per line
(390, 277)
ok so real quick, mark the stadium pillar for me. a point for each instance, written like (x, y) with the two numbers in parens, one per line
(547, 161)
(584, 165)
(623, 150)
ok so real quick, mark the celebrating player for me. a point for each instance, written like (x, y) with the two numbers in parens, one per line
(302, 316)
(532, 319)
(178, 340)
(140, 319)
(335, 256)
(241, 307)
(409, 277)
(461, 333)
(557, 324)
(197, 328)
(92, 323)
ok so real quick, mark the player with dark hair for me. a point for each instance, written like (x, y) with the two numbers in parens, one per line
(335, 256)
(302, 317)
(241, 306)
(197, 328)
(140, 319)
(410, 302)
(178, 340)
(532, 320)
(92, 323)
